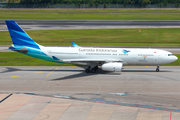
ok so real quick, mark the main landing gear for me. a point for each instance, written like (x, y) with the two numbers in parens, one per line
(92, 70)
(157, 69)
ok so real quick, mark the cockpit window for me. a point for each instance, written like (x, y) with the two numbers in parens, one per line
(170, 55)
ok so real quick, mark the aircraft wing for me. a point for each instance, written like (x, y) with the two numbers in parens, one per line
(92, 60)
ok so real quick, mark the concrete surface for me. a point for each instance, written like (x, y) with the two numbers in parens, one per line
(98, 22)
(47, 108)
(137, 93)
(89, 24)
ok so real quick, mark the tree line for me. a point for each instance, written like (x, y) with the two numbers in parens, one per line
(97, 2)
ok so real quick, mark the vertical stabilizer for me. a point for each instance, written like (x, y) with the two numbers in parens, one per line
(18, 36)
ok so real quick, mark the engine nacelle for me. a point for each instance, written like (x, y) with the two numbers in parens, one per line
(116, 67)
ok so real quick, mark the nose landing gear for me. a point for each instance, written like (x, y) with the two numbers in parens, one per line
(157, 69)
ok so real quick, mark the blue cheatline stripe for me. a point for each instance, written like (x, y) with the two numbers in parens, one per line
(37, 53)
(43, 57)
(33, 52)
(18, 36)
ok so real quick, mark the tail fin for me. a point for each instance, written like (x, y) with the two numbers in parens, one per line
(18, 36)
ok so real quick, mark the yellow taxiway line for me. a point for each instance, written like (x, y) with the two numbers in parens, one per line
(52, 71)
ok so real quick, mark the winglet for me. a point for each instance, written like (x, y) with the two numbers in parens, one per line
(74, 44)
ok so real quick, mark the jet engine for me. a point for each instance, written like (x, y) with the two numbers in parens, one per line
(115, 67)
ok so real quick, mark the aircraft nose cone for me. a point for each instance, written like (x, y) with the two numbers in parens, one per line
(176, 58)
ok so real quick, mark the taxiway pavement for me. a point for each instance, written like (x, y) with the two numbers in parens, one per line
(97, 22)
(89, 24)
(133, 94)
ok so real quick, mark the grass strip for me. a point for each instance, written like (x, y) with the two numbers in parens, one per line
(89, 14)
(103, 37)
(17, 59)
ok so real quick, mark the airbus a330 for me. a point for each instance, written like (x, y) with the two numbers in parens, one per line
(110, 59)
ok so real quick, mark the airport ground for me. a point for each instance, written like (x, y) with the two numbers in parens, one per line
(137, 93)
(67, 92)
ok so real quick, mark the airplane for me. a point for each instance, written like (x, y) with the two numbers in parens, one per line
(110, 59)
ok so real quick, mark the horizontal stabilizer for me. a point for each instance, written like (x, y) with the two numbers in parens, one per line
(23, 50)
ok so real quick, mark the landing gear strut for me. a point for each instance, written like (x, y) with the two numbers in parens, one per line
(157, 69)
(88, 70)
(92, 70)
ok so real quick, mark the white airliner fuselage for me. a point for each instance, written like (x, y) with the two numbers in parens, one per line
(110, 59)
(99, 56)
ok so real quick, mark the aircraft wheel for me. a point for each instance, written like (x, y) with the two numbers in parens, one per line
(96, 67)
(93, 70)
(157, 70)
(87, 71)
